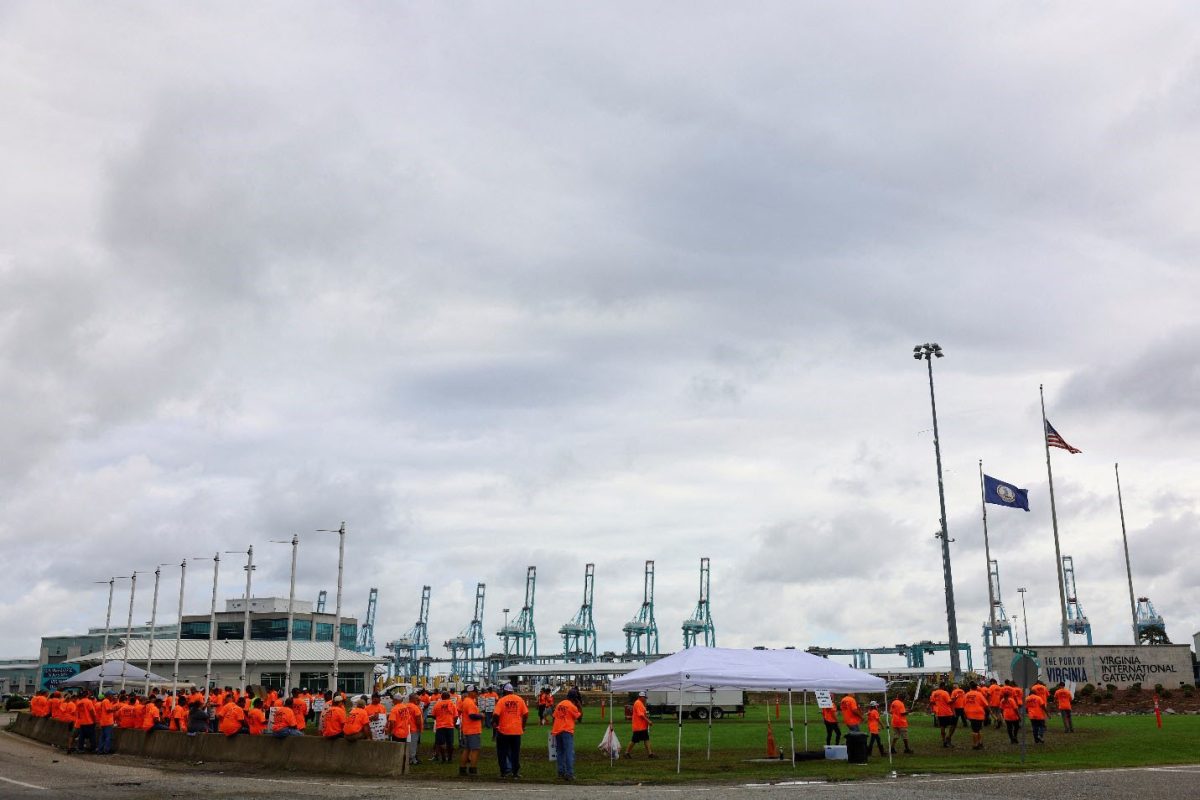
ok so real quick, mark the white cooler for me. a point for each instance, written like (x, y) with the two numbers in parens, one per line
(835, 752)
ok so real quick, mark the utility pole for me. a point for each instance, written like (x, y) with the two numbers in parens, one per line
(1128, 569)
(153, 618)
(128, 628)
(178, 628)
(337, 614)
(245, 611)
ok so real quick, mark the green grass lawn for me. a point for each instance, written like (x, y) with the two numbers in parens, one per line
(1098, 742)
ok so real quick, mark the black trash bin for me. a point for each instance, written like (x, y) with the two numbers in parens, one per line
(856, 747)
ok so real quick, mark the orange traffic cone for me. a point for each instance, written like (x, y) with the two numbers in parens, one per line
(772, 749)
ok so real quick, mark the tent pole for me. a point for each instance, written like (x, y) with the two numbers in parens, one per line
(791, 729)
(806, 720)
(888, 712)
(708, 755)
(679, 734)
(611, 722)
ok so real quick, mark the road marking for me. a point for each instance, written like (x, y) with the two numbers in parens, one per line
(26, 785)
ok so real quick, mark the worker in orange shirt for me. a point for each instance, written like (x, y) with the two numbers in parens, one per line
(52, 703)
(152, 716)
(1010, 709)
(487, 704)
(957, 693)
(417, 713)
(179, 715)
(335, 718)
(943, 712)
(39, 704)
(85, 724)
(975, 708)
(898, 719)
(66, 710)
(873, 728)
(1035, 706)
(641, 725)
(510, 717)
(105, 720)
(231, 718)
(992, 692)
(358, 722)
(1062, 701)
(445, 715)
(283, 722)
(545, 706)
(256, 718)
(566, 714)
(376, 711)
(471, 725)
(832, 729)
(850, 713)
(400, 723)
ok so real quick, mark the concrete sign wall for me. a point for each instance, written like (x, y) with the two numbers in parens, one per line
(1120, 665)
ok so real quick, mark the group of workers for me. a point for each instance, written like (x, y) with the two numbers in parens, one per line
(976, 707)
(399, 718)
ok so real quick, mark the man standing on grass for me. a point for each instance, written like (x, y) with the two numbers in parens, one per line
(943, 713)
(829, 715)
(471, 720)
(1062, 701)
(873, 728)
(850, 713)
(641, 727)
(566, 714)
(510, 717)
(445, 714)
(993, 692)
(1010, 709)
(899, 721)
(1035, 706)
(975, 708)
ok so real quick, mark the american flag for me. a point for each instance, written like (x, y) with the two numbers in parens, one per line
(1054, 440)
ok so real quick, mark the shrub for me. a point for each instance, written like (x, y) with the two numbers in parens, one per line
(1087, 690)
(1135, 687)
(1108, 695)
(1110, 687)
(1158, 687)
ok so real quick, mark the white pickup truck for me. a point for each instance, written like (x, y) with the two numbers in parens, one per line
(696, 704)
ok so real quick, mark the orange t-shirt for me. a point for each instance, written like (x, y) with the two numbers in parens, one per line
(417, 717)
(356, 721)
(39, 706)
(975, 705)
(105, 712)
(256, 721)
(545, 700)
(444, 714)
(400, 720)
(53, 704)
(179, 715)
(994, 693)
(335, 721)
(873, 720)
(85, 712)
(565, 714)
(899, 713)
(150, 715)
(1041, 691)
(641, 719)
(231, 716)
(1009, 708)
(284, 718)
(465, 710)
(939, 700)
(829, 715)
(511, 711)
(66, 711)
(956, 697)
(1062, 699)
(850, 711)
(1036, 706)
(299, 711)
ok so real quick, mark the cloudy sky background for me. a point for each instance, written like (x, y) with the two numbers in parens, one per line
(512, 284)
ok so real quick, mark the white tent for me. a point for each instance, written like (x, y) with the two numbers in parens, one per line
(705, 668)
(116, 673)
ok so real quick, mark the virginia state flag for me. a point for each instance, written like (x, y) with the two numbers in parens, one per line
(1004, 494)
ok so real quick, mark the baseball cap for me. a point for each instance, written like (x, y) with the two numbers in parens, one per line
(508, 687)
(641, 694)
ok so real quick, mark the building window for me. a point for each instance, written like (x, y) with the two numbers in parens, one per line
(302, 629)
(314, 681)
(351, 683)
(194, 630)
(269, 629)
(324, 632)
(274, 680)
(349, 637)
(230, 630)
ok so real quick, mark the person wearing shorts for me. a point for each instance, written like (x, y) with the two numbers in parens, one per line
(975, 707)
(943, 713)
(641, 727)
(957, 693)
(472, 732)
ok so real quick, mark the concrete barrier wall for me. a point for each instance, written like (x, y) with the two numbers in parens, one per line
(294, 753)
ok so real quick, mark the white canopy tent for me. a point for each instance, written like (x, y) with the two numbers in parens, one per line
(706, 668)
(115, 673)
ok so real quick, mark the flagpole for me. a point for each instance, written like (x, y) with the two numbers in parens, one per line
(1125, 540)
(1062, 592)
(987, 554)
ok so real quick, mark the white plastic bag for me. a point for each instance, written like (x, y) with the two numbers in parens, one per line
(610, 745)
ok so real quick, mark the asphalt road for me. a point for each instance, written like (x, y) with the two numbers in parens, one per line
(32, 770)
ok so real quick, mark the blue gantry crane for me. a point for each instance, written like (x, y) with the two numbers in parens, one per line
(1151, 628)
(410, 653)
(1077, 621)
(699, 629)
(914, 654)
(579, 634)
(519, 636)
(366, 632)
(641, 632)
(467, 651)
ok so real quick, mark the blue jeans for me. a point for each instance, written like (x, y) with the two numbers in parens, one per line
(284, 732)
(564, 747)
(105, 743)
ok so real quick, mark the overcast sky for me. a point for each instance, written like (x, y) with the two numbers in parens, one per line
(502, 284)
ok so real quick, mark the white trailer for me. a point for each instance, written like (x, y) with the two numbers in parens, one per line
(697, 703)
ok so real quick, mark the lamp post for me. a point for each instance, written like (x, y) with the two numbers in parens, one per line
(929, 351)
(107, 624)
(246, 611)
(337, 614)
(178, 628)
(153, 619)
(128, 627)
(287, 670)
(212, 622)
(1024, 614)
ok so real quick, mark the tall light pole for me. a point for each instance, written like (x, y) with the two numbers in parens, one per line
(128, 627)
(153, 619)
(287, 669)
(178, 628)
(1128, 569)
(107, 624)
(929, 351)
(246, 611)
(212, 622)
(337, 614)
(1024, 614)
